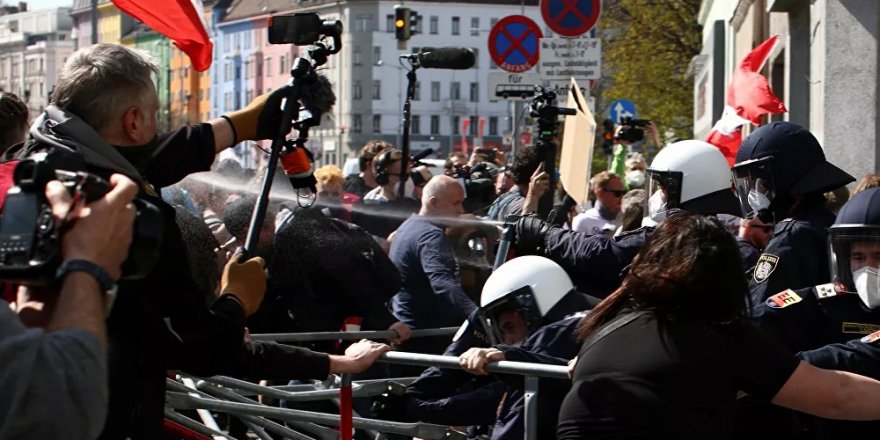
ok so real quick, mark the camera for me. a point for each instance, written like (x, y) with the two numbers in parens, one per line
(30, 236)
(301, 29)
(628, 130)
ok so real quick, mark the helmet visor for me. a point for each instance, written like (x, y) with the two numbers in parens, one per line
(853, 248)
(513, 314)
(755, 188)
(663, 193)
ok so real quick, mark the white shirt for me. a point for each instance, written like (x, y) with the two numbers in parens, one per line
(590, 222)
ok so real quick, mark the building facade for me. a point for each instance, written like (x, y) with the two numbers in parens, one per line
(33, 47)
(825, 69)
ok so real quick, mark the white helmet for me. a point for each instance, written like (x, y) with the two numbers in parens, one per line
(535, 287)
(692, 176)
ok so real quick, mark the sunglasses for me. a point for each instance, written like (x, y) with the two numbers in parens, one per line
(616, 192)
(766, 228)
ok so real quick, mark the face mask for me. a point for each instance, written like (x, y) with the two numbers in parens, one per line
(657, 207)
(867, 281)
(758, 201)
(635, 179)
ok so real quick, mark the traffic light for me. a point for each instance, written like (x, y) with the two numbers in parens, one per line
(402, 26)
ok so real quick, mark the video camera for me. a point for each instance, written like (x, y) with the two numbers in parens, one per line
(30, 236)
(628, 130)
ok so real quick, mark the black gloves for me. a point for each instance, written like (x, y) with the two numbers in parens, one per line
(530, 232)
(261, 118)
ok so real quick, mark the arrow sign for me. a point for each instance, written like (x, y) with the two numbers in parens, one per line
(621, 108)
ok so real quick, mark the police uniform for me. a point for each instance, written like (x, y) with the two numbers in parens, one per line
(796, 256)
(809, 318)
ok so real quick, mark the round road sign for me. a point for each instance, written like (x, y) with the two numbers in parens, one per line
(514, 43)
(571, 18)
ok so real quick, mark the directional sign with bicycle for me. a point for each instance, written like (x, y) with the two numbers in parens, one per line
(514, 43)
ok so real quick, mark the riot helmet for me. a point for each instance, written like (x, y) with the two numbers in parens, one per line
(854, 240)
(692, 176)
(535, 288)
(778, 161)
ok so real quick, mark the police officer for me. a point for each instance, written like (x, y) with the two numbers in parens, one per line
(846, 308)
(517, 299)
(781, 171)
(688, 175)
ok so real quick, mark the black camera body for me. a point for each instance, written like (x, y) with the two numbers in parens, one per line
(629, 130)
(30, 236)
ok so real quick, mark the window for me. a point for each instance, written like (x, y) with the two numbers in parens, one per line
(455, 90)
(259, 68)
(417, 91)
(475, 26)
(473, 126)
(434, 24)
(456, 123)
(389, 23)
(492, 22)
(357, 55)
(227, 101)
(227, 72)
(356, 123)
(282, 64)
(435, 90)
(416, 125)
(475, 92)
(377, 89)
(377, 123)
(476, 57)
(357, 90)
(268, 66)
(456, 25)
(247, 69)
(377, 54)
(417, 24)
(435, 124)
(493, 125)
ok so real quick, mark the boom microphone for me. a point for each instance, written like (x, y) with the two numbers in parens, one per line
(423, 154)
(457, 58)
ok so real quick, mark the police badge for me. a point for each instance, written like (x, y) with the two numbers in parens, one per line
(766, 265)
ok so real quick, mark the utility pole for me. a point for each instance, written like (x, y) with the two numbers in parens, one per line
(94, 21)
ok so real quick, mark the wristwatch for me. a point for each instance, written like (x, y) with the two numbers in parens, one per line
(104, 279)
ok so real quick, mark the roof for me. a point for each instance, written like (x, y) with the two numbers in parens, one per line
(242, 9)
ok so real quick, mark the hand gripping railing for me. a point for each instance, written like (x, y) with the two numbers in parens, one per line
(367, 334)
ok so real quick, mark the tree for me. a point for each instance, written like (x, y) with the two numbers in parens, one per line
(647, 47)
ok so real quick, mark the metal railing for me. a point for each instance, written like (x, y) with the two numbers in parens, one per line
(226, 394)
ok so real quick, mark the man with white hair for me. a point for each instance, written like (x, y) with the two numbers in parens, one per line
(431, 295)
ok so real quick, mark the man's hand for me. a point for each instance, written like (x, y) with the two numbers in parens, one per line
(102, 230)
(358, 357)
(245, 281)
(474, 360)
(403, 332)
(571, 365)
(655, 134)
(261, 118)
(538, 185)
(530, 232)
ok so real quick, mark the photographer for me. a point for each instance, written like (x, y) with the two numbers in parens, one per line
(103, 119)
(628, 163)
(54, 381)
(530, 183)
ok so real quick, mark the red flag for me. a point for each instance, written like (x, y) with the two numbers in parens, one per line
(183, 21)
(749, 97)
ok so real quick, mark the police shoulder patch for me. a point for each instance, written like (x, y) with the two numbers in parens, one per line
(765, 266)
(827, 290)
(873, 337)
(783, 299)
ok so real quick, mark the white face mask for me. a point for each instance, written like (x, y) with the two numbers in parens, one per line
(867, 281)
(657, 207)
(635, 179)
(758, 201)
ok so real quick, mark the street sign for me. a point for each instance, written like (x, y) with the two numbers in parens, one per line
(565, 58)
(571, 18)
(512, 86)
(513, 43)
(621, 108)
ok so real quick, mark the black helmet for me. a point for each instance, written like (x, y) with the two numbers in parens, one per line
(779, 160)
(855, 247)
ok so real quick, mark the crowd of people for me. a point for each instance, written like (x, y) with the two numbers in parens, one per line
(689, 299)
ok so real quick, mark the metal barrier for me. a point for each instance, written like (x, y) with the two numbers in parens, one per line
(216, 393)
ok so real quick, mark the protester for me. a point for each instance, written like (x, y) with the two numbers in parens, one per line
(604, 216)
(632, 210)
(386, 169)
(657, 363)
(54, 380)
(431, 295)
(530, 183)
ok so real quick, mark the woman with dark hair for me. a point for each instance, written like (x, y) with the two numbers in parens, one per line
(665, 355)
